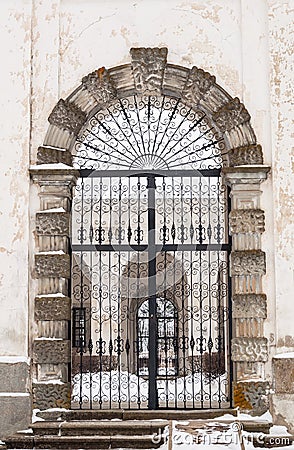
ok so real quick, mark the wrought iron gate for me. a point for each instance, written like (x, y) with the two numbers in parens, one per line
(150, 290)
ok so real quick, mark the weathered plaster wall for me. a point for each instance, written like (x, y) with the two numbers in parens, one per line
(281, 58)
(14, 161)
(14, 208)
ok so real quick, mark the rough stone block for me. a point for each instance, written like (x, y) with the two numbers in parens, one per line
(251, 396)
(47, 155)
(52, 265)
(51, 395)
(14, 377)
(51, 351)
(16, 414)
(246, 221)
(247, 306)
(248, 262)
(53, 223)
(283, 374)
(251, 349)
(52, 308)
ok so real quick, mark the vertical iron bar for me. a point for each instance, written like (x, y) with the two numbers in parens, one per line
(81, 348)
(192, 340)
(90, 345)
(138, 292)
(183, 296)
(100, 342)
(152, 340)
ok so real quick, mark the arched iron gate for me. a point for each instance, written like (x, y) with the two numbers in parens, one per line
(150, 283)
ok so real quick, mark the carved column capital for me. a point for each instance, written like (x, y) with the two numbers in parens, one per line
(148, 66)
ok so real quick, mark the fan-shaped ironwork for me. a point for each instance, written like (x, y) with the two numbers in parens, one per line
(149, 132)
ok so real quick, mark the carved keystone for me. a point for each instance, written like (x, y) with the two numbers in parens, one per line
(246, 221)
(51, 395)
(231, 115)
(247, 306)
(47, 155)
(51, 351)
(249, 349)
(148, 66)
(250, 154)
(100, 86)
(248, 262)
(67, 116)
(52, 308)
(52, 223)
(197, 84)
(52, 265)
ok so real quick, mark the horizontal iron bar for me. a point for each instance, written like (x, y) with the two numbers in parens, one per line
(143, 248)
(89, 173)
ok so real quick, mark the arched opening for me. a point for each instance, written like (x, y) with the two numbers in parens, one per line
(154, 147)
(150, 235)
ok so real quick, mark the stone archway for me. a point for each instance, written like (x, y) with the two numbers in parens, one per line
(149, 73)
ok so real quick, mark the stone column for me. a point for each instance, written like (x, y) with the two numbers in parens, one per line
(51, 348)
(249, 347)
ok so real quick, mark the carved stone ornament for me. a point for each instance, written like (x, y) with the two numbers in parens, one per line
(250, 154)
(100, 86)
(52, 308)
(52, 223)
(247, 306)
(51, 351)
(248, 262)
(51, 395)
(231, 115)
(67, 116)
(47, 155)
(250, 349)
(198, 83)
(246, 221)
(52, 265)
(148, 66)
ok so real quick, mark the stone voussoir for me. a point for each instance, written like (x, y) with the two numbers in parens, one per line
(48, 155)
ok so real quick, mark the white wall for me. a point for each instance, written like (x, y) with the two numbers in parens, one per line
(14, 162)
